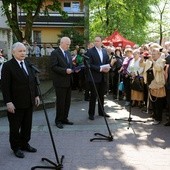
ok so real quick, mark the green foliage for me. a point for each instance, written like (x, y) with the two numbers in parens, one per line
(32, 10)
(129, 17)
(74, 35)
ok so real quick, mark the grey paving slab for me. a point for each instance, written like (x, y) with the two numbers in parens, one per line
(141, 147)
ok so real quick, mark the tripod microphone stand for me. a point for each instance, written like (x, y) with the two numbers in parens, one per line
(130, 118)
(58, 165)
(103, 137)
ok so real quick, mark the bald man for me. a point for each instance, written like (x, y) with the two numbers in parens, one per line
(20, 94)
(61, 65)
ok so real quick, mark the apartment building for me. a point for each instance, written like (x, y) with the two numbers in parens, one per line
(47, 28)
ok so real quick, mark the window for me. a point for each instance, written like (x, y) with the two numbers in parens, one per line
(76, 6)
(37, 36)
(67, 6)
(71, 6)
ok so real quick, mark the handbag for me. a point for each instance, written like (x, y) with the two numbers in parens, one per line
(121, 86)
(137, 84)
(161, 92)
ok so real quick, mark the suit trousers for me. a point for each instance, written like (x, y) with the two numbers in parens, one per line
(101, 91)
(63, 100)
(20, 124)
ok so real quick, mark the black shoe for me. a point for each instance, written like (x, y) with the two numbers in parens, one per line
(18, 153)
(91, 117)
(167, 123)
(59, 125)
(28, 148)
(67, 122)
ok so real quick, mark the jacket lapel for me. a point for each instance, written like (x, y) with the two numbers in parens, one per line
(98, 57)
(18, 69)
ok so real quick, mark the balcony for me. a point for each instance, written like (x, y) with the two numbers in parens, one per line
(55, 20)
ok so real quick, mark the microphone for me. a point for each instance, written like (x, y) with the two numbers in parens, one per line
(82, 53)
(112, 53)
(85, 56)
(34, 68)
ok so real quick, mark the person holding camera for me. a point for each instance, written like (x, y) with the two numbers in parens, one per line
(154, 76)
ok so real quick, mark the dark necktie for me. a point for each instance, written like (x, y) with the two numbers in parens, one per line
(65, 55)
(22, 67)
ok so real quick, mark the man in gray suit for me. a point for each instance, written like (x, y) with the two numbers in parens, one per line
(61, 65)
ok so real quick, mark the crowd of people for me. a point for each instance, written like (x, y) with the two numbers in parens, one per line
(140, 75)
(36, 51)
(143, 71)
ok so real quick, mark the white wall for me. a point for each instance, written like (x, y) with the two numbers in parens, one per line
(5, 35)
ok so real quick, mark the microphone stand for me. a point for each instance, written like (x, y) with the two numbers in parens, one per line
(58, 165)
(130, 118)
(104, 137)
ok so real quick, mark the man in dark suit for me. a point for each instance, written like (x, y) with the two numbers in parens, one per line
(20, 94)
(61, 65)
(97, 57)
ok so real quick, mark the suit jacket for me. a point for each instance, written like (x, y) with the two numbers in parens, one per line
(16, 87)
(59, 64)
(95, 63)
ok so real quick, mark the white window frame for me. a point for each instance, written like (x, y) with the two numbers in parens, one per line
(74, 6)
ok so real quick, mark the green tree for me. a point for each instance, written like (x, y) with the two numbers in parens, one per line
(32, 8)
(129, 17)
(159, 27)
(76, 37)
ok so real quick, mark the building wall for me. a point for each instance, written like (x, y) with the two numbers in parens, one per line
(50, 35)
(5, 35)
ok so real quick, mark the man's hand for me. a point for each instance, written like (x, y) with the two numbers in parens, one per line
(10, 107)
(37, 101)
(77, 70)
(69, 71)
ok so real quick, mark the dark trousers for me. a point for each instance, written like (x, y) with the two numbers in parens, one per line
(127, 86)
(168, 101)
(157, 106)
(63, 100)
(20, 124)
(101, 91)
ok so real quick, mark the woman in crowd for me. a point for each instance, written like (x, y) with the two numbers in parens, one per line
(126, 76)
(135, 71)
(157, 85)
(116, 63)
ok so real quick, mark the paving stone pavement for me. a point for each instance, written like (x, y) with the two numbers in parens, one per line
(140, 146)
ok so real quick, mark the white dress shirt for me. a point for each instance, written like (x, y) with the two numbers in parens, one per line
(100, 53)
(19, 62)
